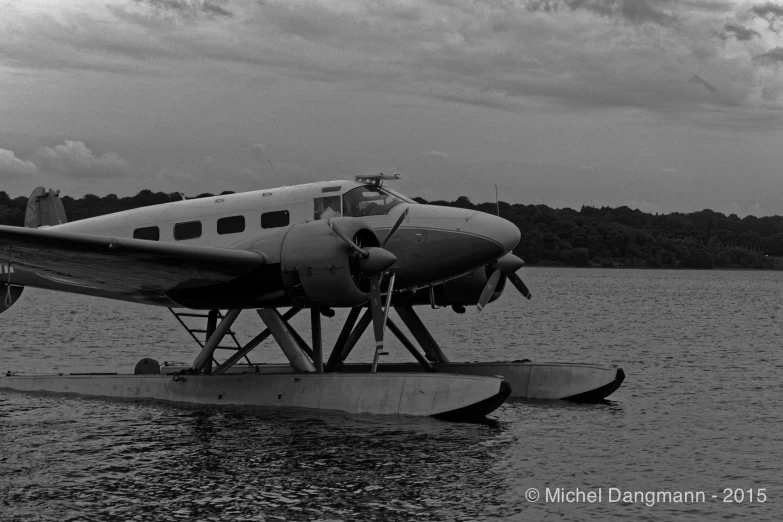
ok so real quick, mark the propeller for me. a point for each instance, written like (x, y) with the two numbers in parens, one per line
(507, 266)
(374, 261)
(519, 285)
(379, 315)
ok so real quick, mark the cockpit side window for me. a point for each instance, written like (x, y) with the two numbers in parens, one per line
(327, 207)
(369, 200)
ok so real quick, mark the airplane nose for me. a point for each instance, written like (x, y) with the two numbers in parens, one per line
(495, 228)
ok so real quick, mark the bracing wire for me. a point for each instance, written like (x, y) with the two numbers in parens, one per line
(8, 299)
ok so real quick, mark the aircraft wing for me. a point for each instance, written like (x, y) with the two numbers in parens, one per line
(129, 267)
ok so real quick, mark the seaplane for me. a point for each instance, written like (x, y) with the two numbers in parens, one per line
(353, 244)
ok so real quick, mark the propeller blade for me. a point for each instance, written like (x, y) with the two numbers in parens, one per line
(488, 289)
(377, 316)
(517, 282)
(396, 226)
(362, 252)
(389, 292)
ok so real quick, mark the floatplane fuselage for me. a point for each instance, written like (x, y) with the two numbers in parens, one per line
(301, 260)
(319, 246)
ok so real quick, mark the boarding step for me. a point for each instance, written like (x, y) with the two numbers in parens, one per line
(200, 329)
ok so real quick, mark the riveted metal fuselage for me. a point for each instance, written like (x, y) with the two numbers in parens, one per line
(432, 244)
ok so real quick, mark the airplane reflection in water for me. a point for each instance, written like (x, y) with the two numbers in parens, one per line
(354, 244)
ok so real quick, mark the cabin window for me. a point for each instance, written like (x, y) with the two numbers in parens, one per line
(327, 207)
(275, 219)
(148, 233)
(189, 230)
(369, 201)
(331, 189)
(231, 225)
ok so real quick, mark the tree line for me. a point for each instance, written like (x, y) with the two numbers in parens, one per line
(605, 237)
(624, 237)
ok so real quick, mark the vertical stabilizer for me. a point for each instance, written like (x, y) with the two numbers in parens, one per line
(44, 209)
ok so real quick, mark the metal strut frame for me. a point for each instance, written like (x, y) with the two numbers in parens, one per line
(302, 357)
(211, 317)
(350, 335)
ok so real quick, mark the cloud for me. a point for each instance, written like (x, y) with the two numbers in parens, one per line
(586, 167)
(774, 55)
(635, 11)
(770, 12)
(742, 211)
(11, 166)
(707, 85)
(74, 160)
(741, 33)
(435, 154)
(670, 170)
(187, 8)
(756, 210)
(547, 54)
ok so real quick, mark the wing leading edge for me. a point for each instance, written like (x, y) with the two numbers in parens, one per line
(130, 268)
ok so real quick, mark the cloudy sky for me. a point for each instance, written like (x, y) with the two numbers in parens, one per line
(662, 105)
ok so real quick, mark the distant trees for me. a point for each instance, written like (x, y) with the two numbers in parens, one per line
(624, 237)
(12, 210)
(601, 237)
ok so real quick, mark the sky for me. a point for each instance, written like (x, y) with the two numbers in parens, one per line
(661, 105)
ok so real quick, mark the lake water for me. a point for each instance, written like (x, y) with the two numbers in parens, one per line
(701, 410)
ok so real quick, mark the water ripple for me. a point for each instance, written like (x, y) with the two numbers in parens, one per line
(700, 410)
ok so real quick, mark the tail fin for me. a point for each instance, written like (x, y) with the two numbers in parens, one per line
(44, 209)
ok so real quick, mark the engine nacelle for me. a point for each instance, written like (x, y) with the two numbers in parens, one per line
(317, 267)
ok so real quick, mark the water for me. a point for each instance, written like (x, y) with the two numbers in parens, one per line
(700, 411)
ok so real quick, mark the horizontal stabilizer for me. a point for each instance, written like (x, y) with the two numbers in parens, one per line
(44, 209)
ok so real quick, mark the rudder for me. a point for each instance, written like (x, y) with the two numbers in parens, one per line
(44, 209)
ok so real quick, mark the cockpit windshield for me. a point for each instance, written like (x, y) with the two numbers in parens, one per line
(370, 200)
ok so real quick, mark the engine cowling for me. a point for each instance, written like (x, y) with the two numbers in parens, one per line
(317, 265)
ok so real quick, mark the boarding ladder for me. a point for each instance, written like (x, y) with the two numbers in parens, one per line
(194, 331)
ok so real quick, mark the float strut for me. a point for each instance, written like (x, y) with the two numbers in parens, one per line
(318, 355)
(255, 341)
(212, 318)
(286, 340)
(420, 332)
(205, 355)
(409, 345)
(302, 343)
(356, 334)
(334, 358)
